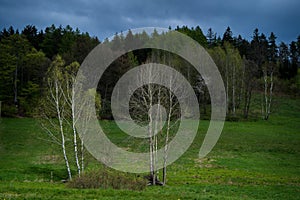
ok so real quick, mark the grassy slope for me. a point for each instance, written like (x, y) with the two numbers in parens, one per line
(252, 160)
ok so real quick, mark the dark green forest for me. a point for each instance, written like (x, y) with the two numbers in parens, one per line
(262, 66)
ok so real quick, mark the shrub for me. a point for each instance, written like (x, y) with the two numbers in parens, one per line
(107, 179)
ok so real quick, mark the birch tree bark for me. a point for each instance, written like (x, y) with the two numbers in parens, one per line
(59, 117)
(146, 106)
(268, 72)
(54, 108)
(69, 95)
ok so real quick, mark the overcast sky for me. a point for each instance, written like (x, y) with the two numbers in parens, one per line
(103, 18)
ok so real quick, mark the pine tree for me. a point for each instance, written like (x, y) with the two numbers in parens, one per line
(284, 61)
(293, 59)
(227, 36)
(272, 48)
(31, 33)
(211, 38)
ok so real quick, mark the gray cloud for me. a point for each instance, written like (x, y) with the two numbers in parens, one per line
(105, 17)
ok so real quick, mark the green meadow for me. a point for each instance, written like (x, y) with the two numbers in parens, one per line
(254, 159)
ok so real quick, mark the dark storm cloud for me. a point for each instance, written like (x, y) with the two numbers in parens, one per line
(104, 18)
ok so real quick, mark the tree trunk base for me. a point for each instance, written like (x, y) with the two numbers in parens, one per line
(150, 180)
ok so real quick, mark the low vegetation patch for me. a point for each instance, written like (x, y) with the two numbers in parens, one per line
(106, 179)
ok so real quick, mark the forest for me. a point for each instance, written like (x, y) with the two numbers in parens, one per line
(262, 66)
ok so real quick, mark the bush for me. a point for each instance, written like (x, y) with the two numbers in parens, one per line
(107, 179)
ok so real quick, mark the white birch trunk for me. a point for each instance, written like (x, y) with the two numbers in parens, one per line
(233, 90)
(150, 132)
(82, 156)
(167, 135)
(270, 94)
(265, 106)
(227, 85)
(60, 120)
(74, 130)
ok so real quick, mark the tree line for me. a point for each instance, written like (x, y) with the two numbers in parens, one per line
(262, 65)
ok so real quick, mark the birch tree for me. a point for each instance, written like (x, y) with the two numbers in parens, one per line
(87, 108)
(268, 85)
(69, 95)
(268, 69)
(229, 63)
(140, 104)
(59, 116)
(158, 107)
(53, 109)
(250, 70)
(233, 76)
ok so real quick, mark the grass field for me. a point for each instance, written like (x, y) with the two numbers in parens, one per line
(252, 160)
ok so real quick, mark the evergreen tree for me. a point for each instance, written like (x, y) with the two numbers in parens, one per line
(284, 61)
(52, 39)
(195, 34)
(293, 59)
(4, 33)
(82, 46)
(211, 38)
(272, 48)
(242, 45)
(31, 33)
(227, 36)
(11, 30)
(258, 49)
